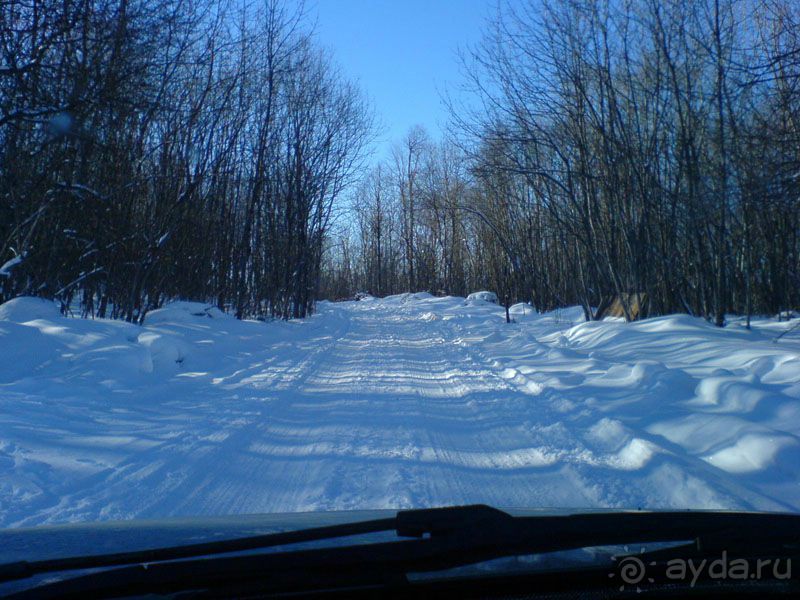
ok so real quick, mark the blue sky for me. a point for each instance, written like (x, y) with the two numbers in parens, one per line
(402, 52)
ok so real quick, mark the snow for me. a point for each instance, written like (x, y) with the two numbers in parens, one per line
(24, 309)
(405, 401)
(184, 312)
(482, 297)
(5, 269)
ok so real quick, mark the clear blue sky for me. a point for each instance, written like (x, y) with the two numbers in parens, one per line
(402, 52)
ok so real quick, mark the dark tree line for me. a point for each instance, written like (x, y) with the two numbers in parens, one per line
(647, 151)
(155, 149)
(638, 150)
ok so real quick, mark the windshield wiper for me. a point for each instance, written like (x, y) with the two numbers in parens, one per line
(406, 523)
(25, 569)
(446, 538)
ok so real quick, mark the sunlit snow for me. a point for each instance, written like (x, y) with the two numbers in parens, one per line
(399, 402)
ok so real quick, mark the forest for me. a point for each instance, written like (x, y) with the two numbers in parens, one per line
(638, 151)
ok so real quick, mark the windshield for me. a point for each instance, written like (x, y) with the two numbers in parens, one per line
(275, 257)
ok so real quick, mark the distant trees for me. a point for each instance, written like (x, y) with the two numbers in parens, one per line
(408, 229)
(152, 149)
(620, 149)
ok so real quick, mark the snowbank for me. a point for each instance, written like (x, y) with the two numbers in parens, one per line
(184, 312)
(482, 297)
(24, 309)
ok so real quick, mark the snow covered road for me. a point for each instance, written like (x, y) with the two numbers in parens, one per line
(407, 401)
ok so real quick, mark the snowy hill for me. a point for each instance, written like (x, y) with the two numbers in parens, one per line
(406, 401)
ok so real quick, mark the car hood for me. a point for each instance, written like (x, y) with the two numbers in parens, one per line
(81, 539)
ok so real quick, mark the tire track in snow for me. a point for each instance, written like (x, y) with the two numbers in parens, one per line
(462, 427)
